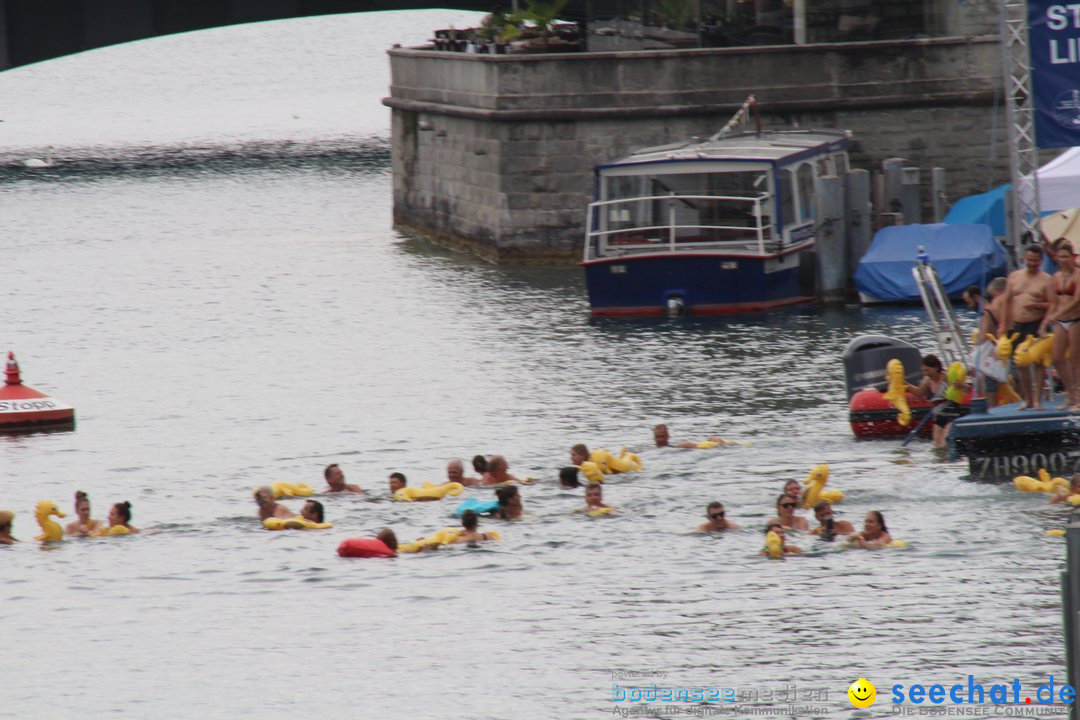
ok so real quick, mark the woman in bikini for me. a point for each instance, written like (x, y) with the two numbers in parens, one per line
(1063, 319)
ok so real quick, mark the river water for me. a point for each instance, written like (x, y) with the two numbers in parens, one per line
(208, 275)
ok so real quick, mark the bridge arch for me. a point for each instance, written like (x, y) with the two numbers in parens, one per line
(36, 30)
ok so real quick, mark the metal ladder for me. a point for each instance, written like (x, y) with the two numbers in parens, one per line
(953, 343)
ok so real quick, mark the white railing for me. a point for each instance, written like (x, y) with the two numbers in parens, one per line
(667, 237)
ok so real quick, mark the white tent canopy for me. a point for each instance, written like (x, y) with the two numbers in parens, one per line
(1059, 182)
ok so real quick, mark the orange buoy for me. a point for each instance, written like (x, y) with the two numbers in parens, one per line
(23, 408)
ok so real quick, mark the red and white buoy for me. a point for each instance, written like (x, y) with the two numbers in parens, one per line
(23, 408)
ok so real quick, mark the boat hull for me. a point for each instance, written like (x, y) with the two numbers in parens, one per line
(704, 284)
(872, 416)
(1006, 441)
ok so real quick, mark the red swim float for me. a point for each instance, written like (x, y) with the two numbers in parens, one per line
(364, 547)
(24, 409)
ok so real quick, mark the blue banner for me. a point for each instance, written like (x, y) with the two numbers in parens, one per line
(1054, 38)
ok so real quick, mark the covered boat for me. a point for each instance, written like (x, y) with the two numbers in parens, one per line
(724, 225)
(962, 254)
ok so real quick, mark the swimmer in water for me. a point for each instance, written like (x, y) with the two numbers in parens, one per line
(312, 511)
(7, 519)
(85, 525)
(874, 533)
(388, 538)
(829, 526)
(455, 473)
(776, 527)
(1061, 496)
(469, 533)
(579, 454)
(496, 473)
(335, 480)
(510, 507)
(568, 477)
(594, 500)
(716, 521)
(268, 507)
(397, 482)
(120, 514)
(662, 438)
(785, 511)
(793, 489)
(479, 464)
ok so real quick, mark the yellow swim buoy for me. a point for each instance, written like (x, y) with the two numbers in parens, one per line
(428, 491)
(600, 512)
(897, 391)
(294, 523)
(112, 530)
(284, 489)
(1055, 533)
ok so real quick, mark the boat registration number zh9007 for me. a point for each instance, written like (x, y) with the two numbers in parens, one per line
(1061, 462)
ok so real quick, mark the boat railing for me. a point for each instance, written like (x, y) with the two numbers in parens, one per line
(612, 230)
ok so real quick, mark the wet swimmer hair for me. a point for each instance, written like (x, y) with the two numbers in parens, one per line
(318, 508)
(568, 477)
(506, 494)
(401, 477)
(931, 361)
(881, 520)
(388, 538)
(327, 469)
(479, 463)
(6, 518)
(580, 449)
(262, 491)
(469, 519)
(124, 509)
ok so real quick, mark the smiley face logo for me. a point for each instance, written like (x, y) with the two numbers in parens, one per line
(862, 693)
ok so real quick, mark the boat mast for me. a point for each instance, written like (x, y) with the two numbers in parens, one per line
(1020, 120)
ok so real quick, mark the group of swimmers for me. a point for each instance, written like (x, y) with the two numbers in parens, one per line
(83, 525)
(494, 471)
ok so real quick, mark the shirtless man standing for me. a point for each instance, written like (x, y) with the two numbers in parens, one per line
(1027, 298)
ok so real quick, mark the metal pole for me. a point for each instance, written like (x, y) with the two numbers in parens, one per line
(1020, 121)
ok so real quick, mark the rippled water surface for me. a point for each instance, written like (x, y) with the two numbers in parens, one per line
(215, 287)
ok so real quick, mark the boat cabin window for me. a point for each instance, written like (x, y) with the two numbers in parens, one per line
(806, 191)
(702, 207)
(787, 197)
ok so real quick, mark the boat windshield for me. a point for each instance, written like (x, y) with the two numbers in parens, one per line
(695, 209)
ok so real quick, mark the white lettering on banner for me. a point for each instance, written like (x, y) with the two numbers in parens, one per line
(31, 405)
(1057, 19)
(1072, 50)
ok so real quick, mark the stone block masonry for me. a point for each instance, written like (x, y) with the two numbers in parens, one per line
(495, 153)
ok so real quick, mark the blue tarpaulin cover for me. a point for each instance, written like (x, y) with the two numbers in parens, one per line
(987, 208)
(962, 255)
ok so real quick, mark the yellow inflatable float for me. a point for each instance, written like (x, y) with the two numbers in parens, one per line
(592, 472)
(284, 489)
(294, 523)
(428, 491)
(1044, 483)
(1034, 350)
(897, 391)
(112, 530)
(815, 488)
(50, 529)
(446, 536)
(774, 547)
(610, 465)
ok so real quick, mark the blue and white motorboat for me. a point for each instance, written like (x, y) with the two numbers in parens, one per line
(714, 227)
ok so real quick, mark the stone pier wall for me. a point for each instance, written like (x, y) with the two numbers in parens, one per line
(495, 153)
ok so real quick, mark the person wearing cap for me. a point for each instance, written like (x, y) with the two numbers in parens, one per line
(6, 519)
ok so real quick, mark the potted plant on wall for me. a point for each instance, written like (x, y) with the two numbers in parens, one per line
(539, 16)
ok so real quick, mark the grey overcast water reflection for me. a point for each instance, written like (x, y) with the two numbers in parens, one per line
(209, 277)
